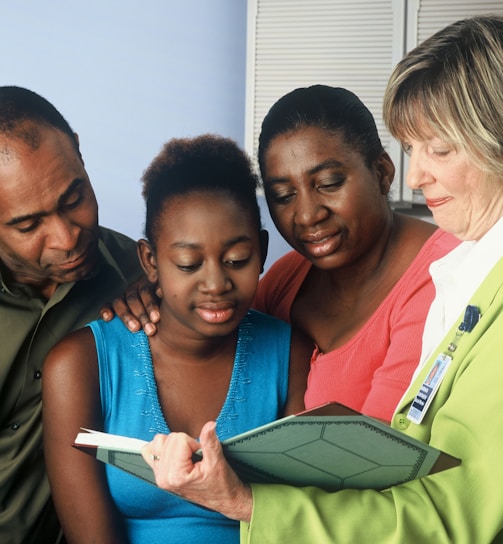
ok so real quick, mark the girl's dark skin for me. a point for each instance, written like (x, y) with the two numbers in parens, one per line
(205, 265)
(373, 246)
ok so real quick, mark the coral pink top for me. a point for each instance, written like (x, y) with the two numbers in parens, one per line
(371, 371)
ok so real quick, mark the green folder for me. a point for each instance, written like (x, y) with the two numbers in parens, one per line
(331, 447)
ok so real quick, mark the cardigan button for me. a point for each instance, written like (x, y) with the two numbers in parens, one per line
(401, 421)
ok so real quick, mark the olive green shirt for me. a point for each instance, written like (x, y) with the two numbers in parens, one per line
(31, 325)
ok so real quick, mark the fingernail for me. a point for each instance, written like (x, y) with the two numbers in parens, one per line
(132, 325)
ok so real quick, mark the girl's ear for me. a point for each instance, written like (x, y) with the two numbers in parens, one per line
(147, 260)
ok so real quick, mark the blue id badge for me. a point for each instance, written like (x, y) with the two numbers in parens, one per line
(429, 388)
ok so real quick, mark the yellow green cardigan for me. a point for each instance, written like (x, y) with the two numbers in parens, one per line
(460, 505)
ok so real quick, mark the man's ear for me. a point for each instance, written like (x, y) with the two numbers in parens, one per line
(148, 260)
(264, 246)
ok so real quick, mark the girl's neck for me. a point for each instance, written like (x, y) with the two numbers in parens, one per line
(189, 347)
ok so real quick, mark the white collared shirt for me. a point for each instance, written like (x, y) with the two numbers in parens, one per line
(456, 278)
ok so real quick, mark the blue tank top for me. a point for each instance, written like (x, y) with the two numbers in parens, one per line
(257, 395)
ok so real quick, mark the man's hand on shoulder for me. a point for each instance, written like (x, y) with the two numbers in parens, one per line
(137, 308)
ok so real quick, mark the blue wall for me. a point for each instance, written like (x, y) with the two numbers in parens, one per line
(129, 75)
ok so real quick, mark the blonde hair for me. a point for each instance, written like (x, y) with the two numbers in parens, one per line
(451, 86)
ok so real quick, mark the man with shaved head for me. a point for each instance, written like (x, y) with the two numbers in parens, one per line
(57, 268)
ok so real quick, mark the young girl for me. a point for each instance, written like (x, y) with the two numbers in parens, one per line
(212, 358)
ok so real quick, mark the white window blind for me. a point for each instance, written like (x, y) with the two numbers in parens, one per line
(435, 14)
(345, 43)
(296, 43)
